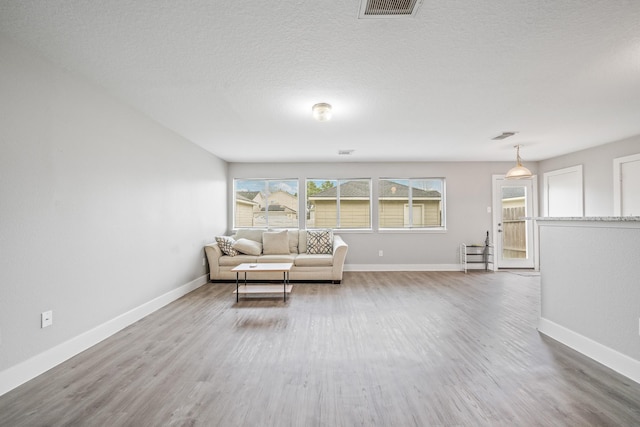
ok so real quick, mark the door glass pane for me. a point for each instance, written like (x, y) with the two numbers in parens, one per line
(514, 230)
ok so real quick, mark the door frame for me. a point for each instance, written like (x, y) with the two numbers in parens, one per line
(496, 204)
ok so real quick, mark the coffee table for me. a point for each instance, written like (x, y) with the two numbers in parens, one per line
(276, 267)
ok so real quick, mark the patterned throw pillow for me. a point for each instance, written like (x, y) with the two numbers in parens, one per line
(226, 245)
(319, 241)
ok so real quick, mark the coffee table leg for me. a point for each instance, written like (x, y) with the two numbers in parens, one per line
(284, 285)
(237, 274)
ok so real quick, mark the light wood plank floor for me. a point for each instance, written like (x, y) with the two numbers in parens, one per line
(382, 349)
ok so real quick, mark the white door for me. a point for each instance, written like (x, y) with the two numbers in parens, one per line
(626, 186)
(513, 199)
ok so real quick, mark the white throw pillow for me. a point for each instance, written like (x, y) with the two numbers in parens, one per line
(319, 241)
(249, 247)
(275, 243)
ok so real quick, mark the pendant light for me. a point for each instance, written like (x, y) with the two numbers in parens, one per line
(519, 171)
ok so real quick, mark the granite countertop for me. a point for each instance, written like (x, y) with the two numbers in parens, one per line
(587, 218)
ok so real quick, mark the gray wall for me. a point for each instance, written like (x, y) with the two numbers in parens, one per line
(101, 208)
(597, 170)
(468, 195)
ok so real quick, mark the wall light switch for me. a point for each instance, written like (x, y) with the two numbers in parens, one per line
(46, 319)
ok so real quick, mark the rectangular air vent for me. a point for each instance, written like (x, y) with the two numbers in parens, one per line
(502, 136)
(388, 8)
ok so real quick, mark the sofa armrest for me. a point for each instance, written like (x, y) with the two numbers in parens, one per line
(213, 252)
(339, 254)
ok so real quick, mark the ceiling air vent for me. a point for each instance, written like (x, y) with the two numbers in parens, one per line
(388, 8)
(504, 135)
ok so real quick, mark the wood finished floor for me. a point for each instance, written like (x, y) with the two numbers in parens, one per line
(382, 349)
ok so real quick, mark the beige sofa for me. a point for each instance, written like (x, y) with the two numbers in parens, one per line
(306, 266)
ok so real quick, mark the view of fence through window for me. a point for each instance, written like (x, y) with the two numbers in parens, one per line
(333, 203)
(514, 234)
(411, 203)
(266, 203)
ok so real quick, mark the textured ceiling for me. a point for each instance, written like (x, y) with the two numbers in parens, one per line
(239, 78)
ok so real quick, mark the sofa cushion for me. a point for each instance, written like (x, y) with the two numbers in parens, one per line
(293, 241)
(275, 243)
(249, 247)
(226, 245)
(302, 242)
(305, 260)
(251, 234)
(319, 242)
(232, 261)
(277, 258)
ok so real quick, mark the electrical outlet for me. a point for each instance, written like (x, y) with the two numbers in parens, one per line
(46, 319)
(380, 253)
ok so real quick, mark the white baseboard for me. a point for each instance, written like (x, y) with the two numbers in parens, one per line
(19, 374)
(610, 358)
(402, 267)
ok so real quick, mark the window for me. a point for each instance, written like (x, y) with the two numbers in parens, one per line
(333, 203)
(265, 203)
(411, 203)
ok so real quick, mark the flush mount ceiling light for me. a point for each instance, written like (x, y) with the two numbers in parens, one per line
(518, 171)
(321, 111)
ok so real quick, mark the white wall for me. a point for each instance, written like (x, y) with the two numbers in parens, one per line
(589, 289)
(597, 165)
(589, 270)
(468, 195)
(101, 209)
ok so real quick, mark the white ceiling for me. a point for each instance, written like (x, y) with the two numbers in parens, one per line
(239, 78)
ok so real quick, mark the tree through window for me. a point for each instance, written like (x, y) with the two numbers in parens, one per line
(333, 203)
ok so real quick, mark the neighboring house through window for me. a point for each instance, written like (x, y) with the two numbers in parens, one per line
(266, 203)
(411, 203)
(340, 204)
